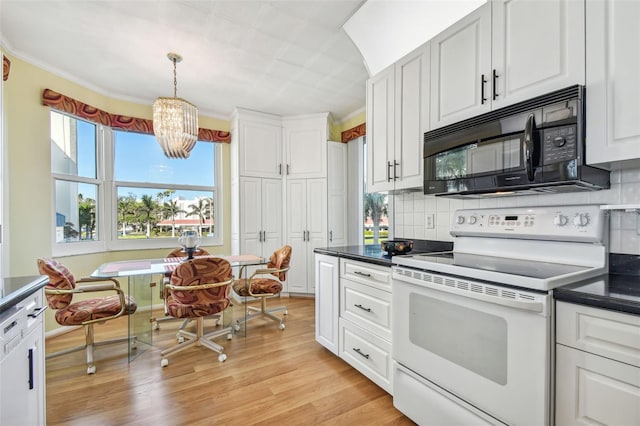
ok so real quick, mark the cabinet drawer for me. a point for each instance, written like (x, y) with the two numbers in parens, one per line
(366, 273)
(367, 307)
(591, 389)
(611, 334)
(367, 353)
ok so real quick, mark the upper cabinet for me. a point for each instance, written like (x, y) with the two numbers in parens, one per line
(397, 117)
(613, 83)
(259, 144)
(504, 52)
(305, 141)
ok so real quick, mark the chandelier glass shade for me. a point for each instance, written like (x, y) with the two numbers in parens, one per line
(175, 121)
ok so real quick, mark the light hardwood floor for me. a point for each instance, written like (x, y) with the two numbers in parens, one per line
(270, 377)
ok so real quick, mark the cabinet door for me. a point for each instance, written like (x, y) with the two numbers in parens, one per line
(538, 47)
(250, 215)
(337, 194)
(412, 116)
(380, 130)
(316, 225)
(260, 149)
(613, 86)
(591, 390)
(327, 308)
(306, 148)
(461, 69)
(272, 212)
(297, 234)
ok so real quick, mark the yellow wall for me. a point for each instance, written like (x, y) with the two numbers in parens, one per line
(337, 129)
(28, 213)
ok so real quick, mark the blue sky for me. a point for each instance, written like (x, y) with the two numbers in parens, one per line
(139, 158)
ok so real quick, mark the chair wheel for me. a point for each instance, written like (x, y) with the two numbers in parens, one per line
(286, 312)
(281, 326)
(229, 336)
(180, 339)
(222, 357)
(91, 370)
(164, 362)
(156, 326)
(236, 327)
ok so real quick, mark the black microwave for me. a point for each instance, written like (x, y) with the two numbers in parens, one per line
(535, 146)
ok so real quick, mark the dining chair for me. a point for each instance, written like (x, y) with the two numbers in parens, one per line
(60, 292)
(176, 253)
(265, 283)
(199, 287)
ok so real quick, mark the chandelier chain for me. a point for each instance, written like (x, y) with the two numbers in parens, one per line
(175, 79)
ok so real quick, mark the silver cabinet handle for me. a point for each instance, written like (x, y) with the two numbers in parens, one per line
(362, 307)
(483, 81)
(287, 169)
(359, 352)
(364, 274)
(280, 169)
(388, 171)
(495, 84)
(330, 236)
(395, 166)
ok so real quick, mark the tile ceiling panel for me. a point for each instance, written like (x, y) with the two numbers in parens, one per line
(279, 57)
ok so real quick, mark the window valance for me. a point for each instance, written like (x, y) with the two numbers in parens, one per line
(6, 65)
(72, 106)
(354, 132)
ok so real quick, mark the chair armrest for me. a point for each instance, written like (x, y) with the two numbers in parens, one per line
(109, 284)
(172, 287)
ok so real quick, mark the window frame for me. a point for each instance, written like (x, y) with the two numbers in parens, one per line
(107, 199)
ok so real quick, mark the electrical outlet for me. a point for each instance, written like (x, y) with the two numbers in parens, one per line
(429, 221)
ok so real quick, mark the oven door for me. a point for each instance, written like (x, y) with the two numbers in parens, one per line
(486, 346)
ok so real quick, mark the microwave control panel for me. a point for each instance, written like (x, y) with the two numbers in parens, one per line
(559, 144)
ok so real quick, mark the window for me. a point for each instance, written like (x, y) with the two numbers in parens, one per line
(135, 197)
(77, 181)
(157, 197)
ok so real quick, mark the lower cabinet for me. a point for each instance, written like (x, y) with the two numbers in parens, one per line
(597, 366)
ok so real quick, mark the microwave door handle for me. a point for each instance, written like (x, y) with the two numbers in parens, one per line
(529, 146)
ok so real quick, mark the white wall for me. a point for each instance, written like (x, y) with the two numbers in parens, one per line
(411, 210)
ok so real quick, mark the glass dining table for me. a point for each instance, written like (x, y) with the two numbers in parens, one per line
(144, 278)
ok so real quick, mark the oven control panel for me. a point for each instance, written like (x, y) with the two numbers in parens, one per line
(573, 223)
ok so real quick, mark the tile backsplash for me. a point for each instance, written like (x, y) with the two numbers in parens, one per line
(414, 213)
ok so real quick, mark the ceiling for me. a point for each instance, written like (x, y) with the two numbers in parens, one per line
(279, 57)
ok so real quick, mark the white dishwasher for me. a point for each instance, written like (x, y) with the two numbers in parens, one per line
(22, 381)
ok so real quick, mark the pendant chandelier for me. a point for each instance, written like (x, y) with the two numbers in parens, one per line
(175, 121)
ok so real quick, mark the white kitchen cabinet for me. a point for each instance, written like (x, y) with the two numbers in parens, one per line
(337, 193)
(397, 117)
(461, 69)
(260, 213)
(327, 301)
(505, 52)
(597, 366)
(365, 320)
(258, 144)
(306, 219)
(305, 142)
(537, 47)
(613, 86)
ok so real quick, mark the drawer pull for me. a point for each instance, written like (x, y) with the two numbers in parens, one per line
(362, 307)
(359, 352)
(364, 274)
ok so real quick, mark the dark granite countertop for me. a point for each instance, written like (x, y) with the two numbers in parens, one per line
(17, 289)
(619, 290)
(373, 253)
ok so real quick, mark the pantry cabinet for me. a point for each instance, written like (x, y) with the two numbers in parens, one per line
(397, 117)
(259, 144)
(306, 230)
(260, 213)
(305, 141)
(505, 52)
(613, 86)
(337, 193)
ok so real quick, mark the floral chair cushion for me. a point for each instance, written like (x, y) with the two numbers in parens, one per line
(60, 278)
(199, 303)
